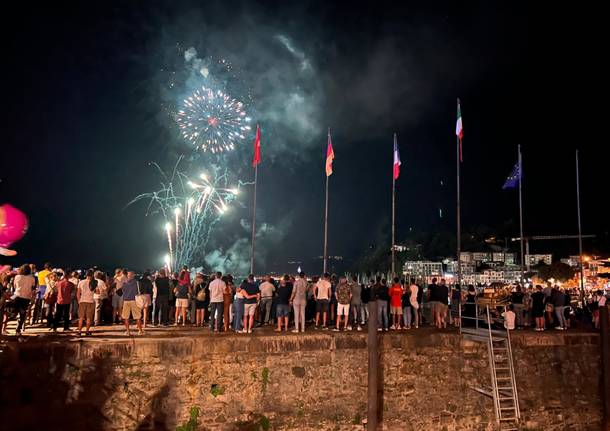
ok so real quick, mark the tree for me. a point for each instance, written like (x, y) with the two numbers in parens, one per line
(557, 270)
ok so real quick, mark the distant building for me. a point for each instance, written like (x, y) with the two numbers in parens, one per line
(534, 259)
(452, 267)
(423, 269)
(480, 257)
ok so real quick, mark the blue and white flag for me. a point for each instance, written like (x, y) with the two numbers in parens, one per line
(513, 179)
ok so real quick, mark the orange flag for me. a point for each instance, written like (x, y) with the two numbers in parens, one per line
(330, 156)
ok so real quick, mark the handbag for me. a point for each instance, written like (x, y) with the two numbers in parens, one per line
(140, 301)
(201, 295)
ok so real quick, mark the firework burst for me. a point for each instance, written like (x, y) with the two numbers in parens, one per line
(190, 206)
(211, 120)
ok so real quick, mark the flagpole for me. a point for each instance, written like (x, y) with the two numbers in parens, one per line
(459, 226)
(582, 273)
(326, 228)
(521, 213)
(393, 212)
(254, 220)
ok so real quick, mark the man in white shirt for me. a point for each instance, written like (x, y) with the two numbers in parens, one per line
(217, 288)
(509, 318)
(267, 288)
(321, 294)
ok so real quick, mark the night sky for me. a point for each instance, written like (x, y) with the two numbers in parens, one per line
(88, 86)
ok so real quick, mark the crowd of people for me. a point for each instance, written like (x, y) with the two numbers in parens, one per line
(55, 297)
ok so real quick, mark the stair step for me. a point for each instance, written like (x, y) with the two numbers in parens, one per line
(506, 399)
(507, 408)
(503, 378)
(505, 389)
(507, 419)
(502, 368)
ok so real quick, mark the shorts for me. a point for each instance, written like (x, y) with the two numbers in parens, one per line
(343, 310)
(434, 306)
(147, 299)
(395, 310)
(41, 290)
(441, 308)
(283, 310)
(182, 302)
(130, 307)
(249, 309)
(321, 305)
(117, 301)
(538, 312)
(86, 310)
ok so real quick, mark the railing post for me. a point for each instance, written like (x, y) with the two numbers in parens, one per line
(604, 325)
(373, 371)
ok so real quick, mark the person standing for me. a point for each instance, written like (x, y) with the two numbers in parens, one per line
(344, 298)
(433, 300)
(86, 303)
(407, 315)
(396, 294)
(443, 302)
(130, 308)
(251, 294)
(365, 295)
(284, 292)
(50, 298)
(64, 299)
(182, 301)
(74, 279)
(470, 307)
(161, 309)
(217, 288)
(456, 304)
(24, 291)
(538, 308)
(99, 295)
(146, 291)
(39, 305)
(120, 275)
(381, 293)
(356, 304)
(267, 289)
(321, 294)
(238, 311)
(199, 294)
(298, 299)
(413, 295)
(516, 299)
(227, 298)
(559, 300)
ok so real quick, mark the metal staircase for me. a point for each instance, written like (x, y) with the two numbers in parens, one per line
(504, 388)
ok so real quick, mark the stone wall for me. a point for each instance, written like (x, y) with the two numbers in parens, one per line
(316, 381)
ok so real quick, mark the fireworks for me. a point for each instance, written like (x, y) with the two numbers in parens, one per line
(190, 206)
(212, 120)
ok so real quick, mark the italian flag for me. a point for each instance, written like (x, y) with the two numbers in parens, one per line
(459, 131)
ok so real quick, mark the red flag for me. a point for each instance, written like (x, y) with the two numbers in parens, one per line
(257, 147)
(330, 156)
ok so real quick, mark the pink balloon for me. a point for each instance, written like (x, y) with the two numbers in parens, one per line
(13, 225)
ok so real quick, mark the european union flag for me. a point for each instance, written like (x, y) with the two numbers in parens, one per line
(513, 179)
